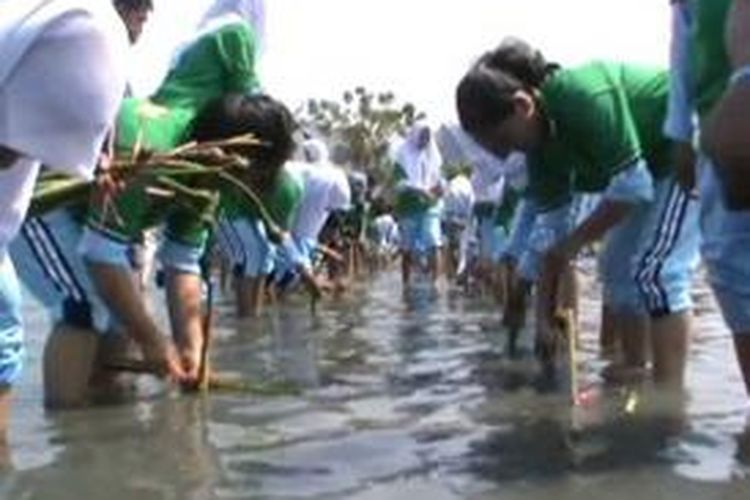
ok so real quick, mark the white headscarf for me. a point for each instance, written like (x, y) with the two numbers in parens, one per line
(315, 151)
(226, 12)
(421, 165)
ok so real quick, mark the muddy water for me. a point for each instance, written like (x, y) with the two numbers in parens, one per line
(402, 397)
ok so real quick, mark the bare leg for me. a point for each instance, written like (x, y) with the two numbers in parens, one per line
(433, 264)
(501, 284)
(5, 399)
(634, 329)
(406, 261)
(107, 385)
(669, 342)
(609, 340)
(68, 364)
(184, 302)
(250, 292)
(514, 317)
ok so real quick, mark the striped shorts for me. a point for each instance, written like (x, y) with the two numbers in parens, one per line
(48, 264)
(244, 243)
(648, 260)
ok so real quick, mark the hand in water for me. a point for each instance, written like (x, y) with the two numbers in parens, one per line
(190, 359)
(163, 355)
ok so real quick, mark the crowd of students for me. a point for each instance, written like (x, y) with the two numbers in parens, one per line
(645, 164)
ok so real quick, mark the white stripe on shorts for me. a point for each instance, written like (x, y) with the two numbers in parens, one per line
(51, 259)
(667, 236)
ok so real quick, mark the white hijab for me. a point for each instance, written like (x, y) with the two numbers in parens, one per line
(223, 13)
(421, 165)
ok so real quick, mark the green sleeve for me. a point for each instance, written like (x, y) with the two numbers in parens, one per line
(285, 200)
(158, 128)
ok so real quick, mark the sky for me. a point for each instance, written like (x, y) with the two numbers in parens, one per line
(419, 49)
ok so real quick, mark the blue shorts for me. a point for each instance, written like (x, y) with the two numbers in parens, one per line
(648, 260)
(523, 222)
(726, 250)
(288, 260)
(420, 233)
(11, 323)
(49, 266)
(546, 229)
(182, 258)
(493, 240)
(245, 244)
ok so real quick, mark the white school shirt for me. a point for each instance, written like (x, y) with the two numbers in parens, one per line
(326, 189)
(458, 201)
(60, 89)
(386, 231)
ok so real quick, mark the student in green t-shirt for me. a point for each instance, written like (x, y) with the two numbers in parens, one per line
(596, 128)
(701, 70)
(219, 58)
(245, 240)
(107, 241)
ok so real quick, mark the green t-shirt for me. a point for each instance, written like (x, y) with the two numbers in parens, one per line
(281, 201)
(218, 63)
(605, 116)
(409, 201)
(187, 219)
(708, 56)
(158, 128)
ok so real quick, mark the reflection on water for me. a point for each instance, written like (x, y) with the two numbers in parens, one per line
(404, 396)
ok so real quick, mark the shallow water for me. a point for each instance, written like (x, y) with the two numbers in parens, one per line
(404, 397)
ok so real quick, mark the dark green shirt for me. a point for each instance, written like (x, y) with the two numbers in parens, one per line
(605, 117)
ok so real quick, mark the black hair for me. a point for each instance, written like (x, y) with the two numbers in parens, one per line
(238, 114)
(134, 4)
(484, 96)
